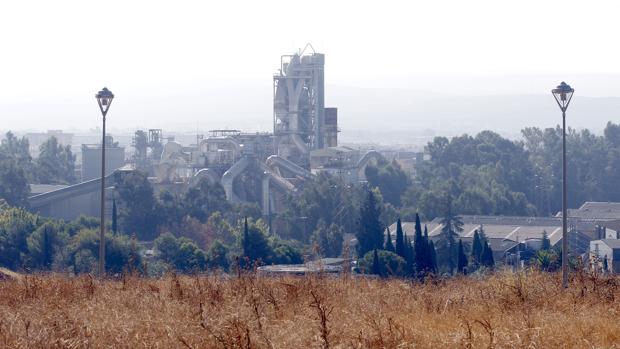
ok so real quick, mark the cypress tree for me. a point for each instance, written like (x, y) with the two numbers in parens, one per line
(433, 256)
(476, 249)
(418, 246)
(246, 238)
(428, 258)
(605, 264)
(400, 242)
(389, 246)
(114, 217)
(462, 258)
(376, 266)
(410, 255)
(370, 233)
(487, 256)
(546, 243)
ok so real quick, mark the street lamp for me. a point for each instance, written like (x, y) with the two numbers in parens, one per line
(104, 99)
(563, 95)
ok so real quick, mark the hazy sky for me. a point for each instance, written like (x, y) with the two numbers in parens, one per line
(155, 55)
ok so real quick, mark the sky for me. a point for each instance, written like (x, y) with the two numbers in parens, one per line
(193, 64)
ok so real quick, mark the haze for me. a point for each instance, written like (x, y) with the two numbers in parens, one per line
(450, 66)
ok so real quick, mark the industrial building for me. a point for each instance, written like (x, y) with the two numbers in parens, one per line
(508, 234)
(91, 159)
(262, 168)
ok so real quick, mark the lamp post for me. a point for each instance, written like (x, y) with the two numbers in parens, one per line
(563, 95)
(104, 99)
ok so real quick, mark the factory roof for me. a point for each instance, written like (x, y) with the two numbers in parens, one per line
(331, 151)
(501, 227)
(36, 189)
(614, 244)
(595, 210)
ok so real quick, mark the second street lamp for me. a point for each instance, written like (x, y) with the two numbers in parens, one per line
(104, 99)
(563, 95)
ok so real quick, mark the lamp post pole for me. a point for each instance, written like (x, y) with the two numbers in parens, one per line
(104, 99)
(563, 95)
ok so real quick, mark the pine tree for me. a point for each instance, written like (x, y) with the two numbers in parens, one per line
(376, 266)
(462, 258)
(370, 233)
(476, 249)
(389, 246)
(114, 217)
(419, 247)
(400, 242)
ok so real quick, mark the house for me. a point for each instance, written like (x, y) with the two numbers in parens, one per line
(606, 249)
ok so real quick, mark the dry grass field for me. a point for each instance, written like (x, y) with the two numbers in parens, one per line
(527, 310)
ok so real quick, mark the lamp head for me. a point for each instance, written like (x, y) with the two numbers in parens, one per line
(563, 94)
(104, 98)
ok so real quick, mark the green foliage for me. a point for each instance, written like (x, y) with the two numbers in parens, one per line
(203, 199)
(83, 252)
(548, 260)
(56, 163)
(328, 239)
(487, 256)
(389, 245)
(462, 258)
(16, 224)
(217, 255)
(386, 263)
(476, 249)
(389, 178)
(139, 208)
(325, 198)
(15, 167)
(181, 253)
(546, 243)
(400, 239)
(44, 243)
(370, 233)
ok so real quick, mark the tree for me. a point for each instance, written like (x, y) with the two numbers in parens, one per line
(44, 243)
(114, 217)
(370, 233)
(433, 256)
(605, 264)
(546, 243)
(217, 255)
(420, 248)
(391, 180)
(205, 198)
(376, 267)
(451, 226)
(16, 224)
(255, 245)
(139, 210)
(14, 186)
(181, 253)
(487, 256)
(389, 246)
(56, 163)
(476, 249)
(328, 239)
(462, 259)
(384, 263)
(400, 241)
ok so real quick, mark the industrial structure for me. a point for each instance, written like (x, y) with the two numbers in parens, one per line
(262, 168)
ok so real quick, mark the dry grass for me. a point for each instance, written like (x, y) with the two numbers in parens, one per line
(528, 310)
